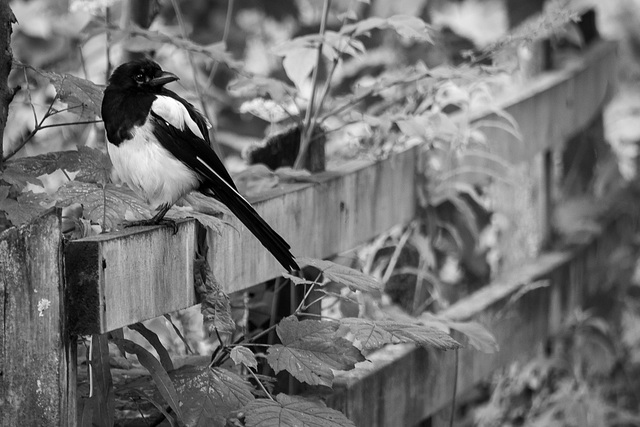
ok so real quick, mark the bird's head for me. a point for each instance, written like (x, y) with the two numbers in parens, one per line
(142, 74)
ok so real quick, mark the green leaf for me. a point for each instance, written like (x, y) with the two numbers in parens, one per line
(410, 27)
(479, 337)
(242, 355)
(209, 395)
(153, 339)
(372, 334)
(26, 208)
(91, 164)
(298, 64)
(298, 280)
(354, 279)
(158, 374)
(108, 205)
(310, 349)
(82, 96)
(255, 86)
(154, 40)
(215, 306)
(293, 411)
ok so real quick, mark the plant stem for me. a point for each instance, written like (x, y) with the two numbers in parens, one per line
(225, 37)
(260, 384)
(307, 130)
(194, 74)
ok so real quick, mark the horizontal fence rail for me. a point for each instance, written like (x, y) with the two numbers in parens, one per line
(125, 277)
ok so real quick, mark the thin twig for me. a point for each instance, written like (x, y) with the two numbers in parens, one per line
(194, 74)
(33, 132)
(260, 384)
(455, 390)
(225, 37)
(33, 108)
(307, 129)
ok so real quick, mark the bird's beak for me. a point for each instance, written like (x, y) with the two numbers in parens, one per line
(163, 79)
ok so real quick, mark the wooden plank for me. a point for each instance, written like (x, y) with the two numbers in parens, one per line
(407, 385)
(342, 210)
(37, 384)
(121, 278)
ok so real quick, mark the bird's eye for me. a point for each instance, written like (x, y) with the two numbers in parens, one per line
(139, 78)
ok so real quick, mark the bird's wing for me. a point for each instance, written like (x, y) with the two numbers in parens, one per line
(176, 131)
(187, 138)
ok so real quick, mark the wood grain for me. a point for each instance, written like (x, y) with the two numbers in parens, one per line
(149, 272)
(38, 365)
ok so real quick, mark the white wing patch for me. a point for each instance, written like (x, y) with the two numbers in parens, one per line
(175, 114)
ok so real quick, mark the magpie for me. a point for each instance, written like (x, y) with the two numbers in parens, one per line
(160, 147)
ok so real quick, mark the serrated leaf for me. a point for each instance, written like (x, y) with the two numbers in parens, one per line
(91, 164)
(153, 339)
(297, 280)
(293, 411)
(19, 179)
(255, 86)
(108, 205)
(215, 306)
(298, 64)
(82, 96)
(209, 395)
(310, 349)
(242, 355)
(479, 337)
(410, 27)
(372, 334)
(155, 40)
(158, 374)
(354, 279)
(26, 208)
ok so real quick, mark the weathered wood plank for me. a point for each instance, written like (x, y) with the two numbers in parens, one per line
(37, 380)
(407, 385)
(114, 280)
(342, 210)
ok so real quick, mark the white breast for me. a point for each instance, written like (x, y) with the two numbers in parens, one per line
(150, 170)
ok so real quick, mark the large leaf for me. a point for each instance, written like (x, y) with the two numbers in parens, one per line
(354, 279)
(372, 334)
(479, 337)
(82, 96)
(310, 349)
(254, 86)
(290, 411)
(215, 306)
(209, 395)
(91, 164)
(108, 205)
(298, 64)
(158, 373)
(27, 207)
(139, 39)
(406, 26)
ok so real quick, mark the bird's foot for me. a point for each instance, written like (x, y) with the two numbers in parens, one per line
(146, 222)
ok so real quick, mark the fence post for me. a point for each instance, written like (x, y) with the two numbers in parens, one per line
(37, 357)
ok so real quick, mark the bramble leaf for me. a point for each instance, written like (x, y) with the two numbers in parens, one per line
(310, 349)
(293, 411)
(82, 96)
(209, 395)
(242, 355)
(215, 306)
(354, 279)
(108, 205)
(27, 207)
(479, 337)
(372, 334)
(298, 64)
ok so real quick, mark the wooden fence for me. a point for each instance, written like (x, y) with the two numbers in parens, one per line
(102, 283)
